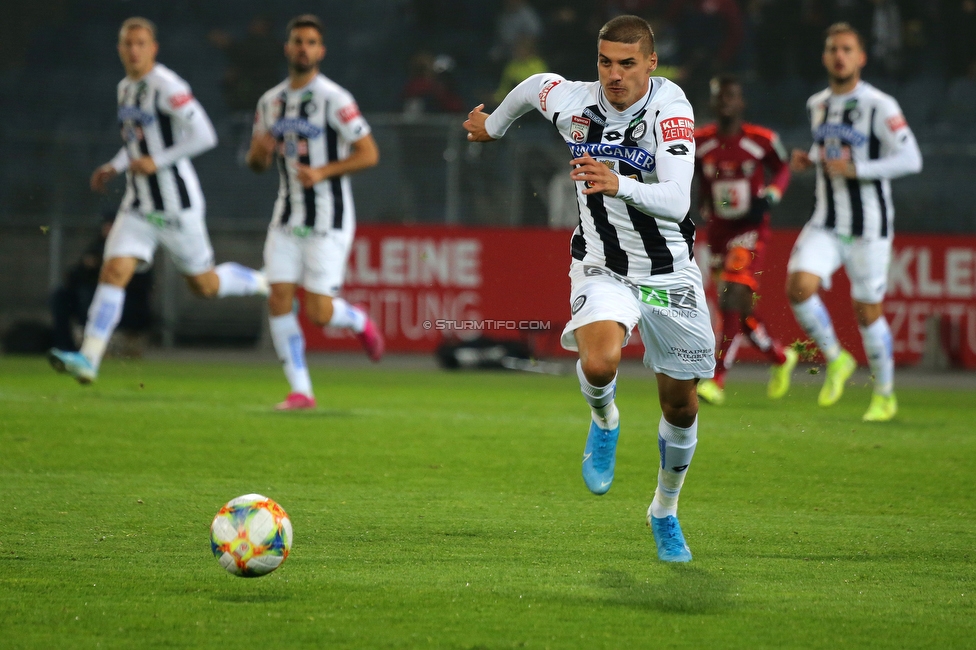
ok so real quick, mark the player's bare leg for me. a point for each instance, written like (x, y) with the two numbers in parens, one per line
(876, 336)
(330, 311)
(677, 439)
(289, 344)
(810, 312)
(228, 279)
(103, 317)
(599, 347)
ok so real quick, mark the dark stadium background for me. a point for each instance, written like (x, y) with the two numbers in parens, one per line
(59, 68)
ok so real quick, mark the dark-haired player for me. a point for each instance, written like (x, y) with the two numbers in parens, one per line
(631, 136)
(312, 129)
(743, 169)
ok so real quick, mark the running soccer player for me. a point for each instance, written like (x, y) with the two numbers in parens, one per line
(162, 126)
(860, 142)
(631, 137)
(313, 129)
(732, 159)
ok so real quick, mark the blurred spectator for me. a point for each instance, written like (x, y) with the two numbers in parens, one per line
(885, 39)
(525, 63)
(70, 302)
(517, 21)
(428, 89)
(960, 108)
(959, 28)
(710, 35)
(568, 23)
(254, 63)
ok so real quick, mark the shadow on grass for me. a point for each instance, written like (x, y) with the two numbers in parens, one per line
(684, 590)
(311, 413)
(252, 598)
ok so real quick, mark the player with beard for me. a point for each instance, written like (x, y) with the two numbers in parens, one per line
(733, 160)
(311, 128)
(860, 142)
(631, 137)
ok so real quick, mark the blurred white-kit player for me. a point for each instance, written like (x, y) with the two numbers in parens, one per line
(162, 126)
(311, 130)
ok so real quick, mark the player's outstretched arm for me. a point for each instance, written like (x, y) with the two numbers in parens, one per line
(475, 125)
(363, 155)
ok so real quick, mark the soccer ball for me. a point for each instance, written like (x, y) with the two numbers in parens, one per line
(251, 536)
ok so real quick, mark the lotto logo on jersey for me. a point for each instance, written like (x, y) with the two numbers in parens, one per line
(678, 128)
(180, 99)
(544, 93)
(580, 128)
(348, 113)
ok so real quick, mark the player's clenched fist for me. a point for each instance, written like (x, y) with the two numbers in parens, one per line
(800, 161)
(597, 176)
(475, 125)
(102, 176)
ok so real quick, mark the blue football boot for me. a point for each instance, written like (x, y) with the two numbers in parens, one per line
(74, 363)
(599, 457)
(670, 541)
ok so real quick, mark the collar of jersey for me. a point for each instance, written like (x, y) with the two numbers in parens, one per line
(633, 110)
(848, 95)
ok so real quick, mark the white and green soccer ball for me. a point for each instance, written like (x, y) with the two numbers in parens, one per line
(251, 536)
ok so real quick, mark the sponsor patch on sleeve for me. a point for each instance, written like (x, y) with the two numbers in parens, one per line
(896, 122)
(678, 128)
(348, 113)
(544, 93)
(180, 99)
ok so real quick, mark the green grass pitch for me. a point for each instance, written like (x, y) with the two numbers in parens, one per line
(447, 510)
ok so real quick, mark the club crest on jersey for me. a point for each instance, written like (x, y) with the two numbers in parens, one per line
(579, 129)
(638, 130)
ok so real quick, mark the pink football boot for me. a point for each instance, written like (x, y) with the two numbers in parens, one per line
(296, 402)
(371, 339)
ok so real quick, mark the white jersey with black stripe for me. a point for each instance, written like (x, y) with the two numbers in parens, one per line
(312, 125)
(645, 230)
(159, 117)
(866, 126)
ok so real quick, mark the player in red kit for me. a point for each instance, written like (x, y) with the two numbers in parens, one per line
(733, 161)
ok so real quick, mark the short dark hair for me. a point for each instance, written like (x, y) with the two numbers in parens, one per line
(725, 79)
(845, 28)
(629, 29)
(305, 20)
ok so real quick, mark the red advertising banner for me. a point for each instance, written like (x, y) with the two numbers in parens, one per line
(427, 284)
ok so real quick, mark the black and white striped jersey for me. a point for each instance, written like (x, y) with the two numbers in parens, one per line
(313, 125)
(646, 229)
(866, 126)
(159, 117)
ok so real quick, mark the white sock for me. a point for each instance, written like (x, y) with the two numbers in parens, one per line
(600, 399)
(238, 280)
(877, 345)
(813, 317)
(346, 316)
(289, 343)
(103, 316)
(677, 446)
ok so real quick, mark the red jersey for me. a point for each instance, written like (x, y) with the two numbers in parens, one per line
(732, 169)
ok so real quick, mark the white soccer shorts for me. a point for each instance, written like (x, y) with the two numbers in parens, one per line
(670, 311)
(821, 252)
(183, 235)
(314, 260)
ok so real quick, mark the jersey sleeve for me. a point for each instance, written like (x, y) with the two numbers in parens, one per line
(670, 197)
(540, 91)
(899, 154)
(193, 132)
(345, 118)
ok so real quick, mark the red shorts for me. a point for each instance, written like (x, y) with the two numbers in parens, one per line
(737, 249)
